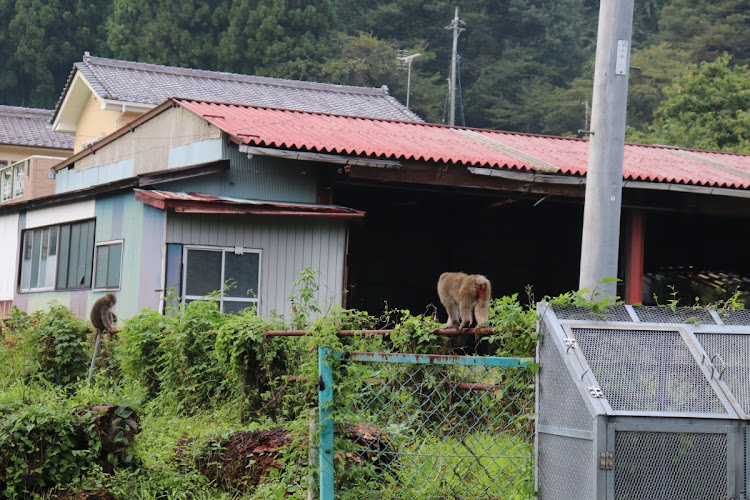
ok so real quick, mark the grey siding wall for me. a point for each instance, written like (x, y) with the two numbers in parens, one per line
(289, 245)
(257, 178)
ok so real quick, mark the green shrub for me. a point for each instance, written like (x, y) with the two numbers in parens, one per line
(139, 351)
(191, 377)
(53, 345)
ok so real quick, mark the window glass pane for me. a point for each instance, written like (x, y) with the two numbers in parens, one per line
(113, 266)
(51, 265)
(62, 276)
(203, 272)
(244, 270)
(6, 184)
(28, 239)
(88, 242)
(43, 257)
(75, 245)
(81, 267)
(53, 240)
(36, 252)
(18, 177)
(76, 255)
(231, 307)
(102, 258)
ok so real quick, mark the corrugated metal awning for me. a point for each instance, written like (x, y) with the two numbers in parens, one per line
(197, 203)
(475, 148)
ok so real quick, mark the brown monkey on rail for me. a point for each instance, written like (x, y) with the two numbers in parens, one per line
(465, 297)
(102, 313)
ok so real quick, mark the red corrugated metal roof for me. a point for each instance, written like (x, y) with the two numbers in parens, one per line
(209, 204)
(398, 140)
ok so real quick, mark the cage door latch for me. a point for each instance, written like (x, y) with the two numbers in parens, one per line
(596, 392)
(606, 460)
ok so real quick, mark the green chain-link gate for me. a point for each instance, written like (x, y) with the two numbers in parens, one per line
(426, 426)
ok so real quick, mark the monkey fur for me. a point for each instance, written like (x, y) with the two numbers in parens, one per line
(102, 313)
(463, 295)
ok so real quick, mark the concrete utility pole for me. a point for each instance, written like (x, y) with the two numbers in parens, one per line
(601, 214)
(454, 25)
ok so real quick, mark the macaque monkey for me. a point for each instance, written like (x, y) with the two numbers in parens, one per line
(102, 313)
(463, 295)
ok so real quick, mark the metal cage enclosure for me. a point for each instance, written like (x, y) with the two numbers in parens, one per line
(642, 403)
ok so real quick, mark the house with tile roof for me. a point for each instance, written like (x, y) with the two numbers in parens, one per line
(196, 192)
(102, 95)
(28, 149)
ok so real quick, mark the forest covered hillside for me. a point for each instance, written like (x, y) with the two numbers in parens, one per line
(525, 65)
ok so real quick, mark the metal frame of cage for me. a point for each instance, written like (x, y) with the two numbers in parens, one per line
(642, 403)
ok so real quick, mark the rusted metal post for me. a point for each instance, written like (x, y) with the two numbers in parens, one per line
(97, 345)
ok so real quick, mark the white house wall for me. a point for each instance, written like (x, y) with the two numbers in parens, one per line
(8, 255)
(60, 213)
(289, 245)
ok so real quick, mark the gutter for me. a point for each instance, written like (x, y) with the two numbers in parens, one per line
(533, 177)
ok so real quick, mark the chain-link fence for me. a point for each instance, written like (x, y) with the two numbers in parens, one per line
(426, 426)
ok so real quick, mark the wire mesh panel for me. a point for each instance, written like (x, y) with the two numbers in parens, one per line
(655, 314)
(615, 313)
(647, 370)
(740, 317)
(730, 355)
(560, 402)
(670, 465)
(433, 429)
(565, 468)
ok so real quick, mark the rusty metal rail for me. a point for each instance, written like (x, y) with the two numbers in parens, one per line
(351, 333)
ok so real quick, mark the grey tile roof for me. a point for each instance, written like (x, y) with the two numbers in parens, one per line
(144, 83)
(30, 127)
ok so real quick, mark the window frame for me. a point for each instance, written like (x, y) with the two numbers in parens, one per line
(97, 246)
(35, 251)
(19, 181)
(6, 184)
(84, 260)
(15, 185)
(251, 301)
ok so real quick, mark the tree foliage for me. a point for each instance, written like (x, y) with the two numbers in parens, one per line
(707, 108)
(171, 32)
(525, 65)
(284, 39)
(39, 41)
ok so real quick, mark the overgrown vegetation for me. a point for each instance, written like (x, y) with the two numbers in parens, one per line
(196, 404)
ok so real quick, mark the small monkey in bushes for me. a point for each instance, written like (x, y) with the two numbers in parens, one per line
(102, 313)
(465, 297)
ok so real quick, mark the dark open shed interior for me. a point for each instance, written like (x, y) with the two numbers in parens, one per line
(413, 233)
(409, 237)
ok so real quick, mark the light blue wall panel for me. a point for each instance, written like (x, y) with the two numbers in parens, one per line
(152, 257)
(77, 301)
(141, 228)
(289, 245)
(109, 215)
(195, 152)
(69, 180)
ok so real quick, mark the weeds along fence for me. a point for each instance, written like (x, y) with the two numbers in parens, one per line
(396, 425)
